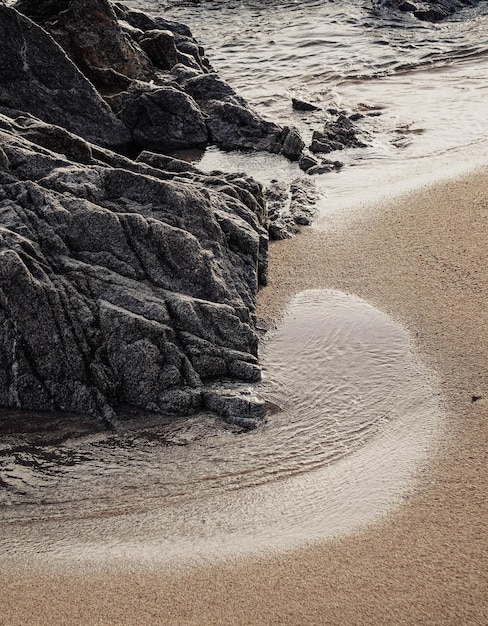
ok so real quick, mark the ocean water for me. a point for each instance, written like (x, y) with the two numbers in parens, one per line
(357, 412)
(428, 81)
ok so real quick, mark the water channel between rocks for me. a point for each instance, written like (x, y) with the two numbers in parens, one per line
(358, 415)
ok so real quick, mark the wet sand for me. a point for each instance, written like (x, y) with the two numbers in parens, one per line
(422, 259)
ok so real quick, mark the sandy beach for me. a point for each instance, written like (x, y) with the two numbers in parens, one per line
(423, 260)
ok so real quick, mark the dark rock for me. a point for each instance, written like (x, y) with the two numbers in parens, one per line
(336, 135)
(306, 162)
(157, 79)
(428, 10)
(160, 117)
(159, 45)
(34, 76)
(118, 287)
(90, 34)
(324, 166)
(290, 206)
(237, 406)
(41, 12)
(301, 105)
(304, 196)
(289, 143)
(320, 168)
(144, 22)
(166, 163)
(232, 124)
(52, 137)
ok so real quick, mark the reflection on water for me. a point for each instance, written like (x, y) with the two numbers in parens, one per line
(358, 412)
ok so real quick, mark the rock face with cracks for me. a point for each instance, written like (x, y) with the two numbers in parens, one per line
(121, 283)
(154, 75)
(36, 76)
(125, 283)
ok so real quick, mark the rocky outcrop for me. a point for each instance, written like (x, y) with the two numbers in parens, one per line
(160, 117)
(36, 76)
(338, 133)
(290, 206)
(431, 11)
(121, 283)
(152, 73)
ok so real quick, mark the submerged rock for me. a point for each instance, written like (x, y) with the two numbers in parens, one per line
(302, 105)
(427, 10)
(337, 134)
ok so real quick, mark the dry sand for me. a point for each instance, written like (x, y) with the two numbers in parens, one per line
(423, 259)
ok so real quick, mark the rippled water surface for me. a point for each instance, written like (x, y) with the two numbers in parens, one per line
(356, 410)
(356, 413)
(428, 81)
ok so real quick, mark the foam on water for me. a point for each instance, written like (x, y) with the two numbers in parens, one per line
(427, 81)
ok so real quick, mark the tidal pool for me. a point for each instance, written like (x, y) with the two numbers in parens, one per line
(357, 415)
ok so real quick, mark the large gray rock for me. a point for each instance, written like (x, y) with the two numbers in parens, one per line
(36, 76)
(156, 78)
(89, 33)
(122, 284)
(160, 117)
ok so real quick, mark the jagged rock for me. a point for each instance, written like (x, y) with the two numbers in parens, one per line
(137, 60)
(144, 22)
(166, 163)
(232, 124)
(160, 117)
(324, 166)
(320, 168)
(306, 162)
(237, 406)
(48, 136)
(303, 198)
(41, 12)
(160, 47)
(118, 287)
(290, 206)
(301, 105)
(336, 135)
(431, 11)
(36, 76)
(90, 34)
(150, 31)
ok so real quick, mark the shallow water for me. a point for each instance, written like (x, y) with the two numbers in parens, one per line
(358, 412)
(428, 81)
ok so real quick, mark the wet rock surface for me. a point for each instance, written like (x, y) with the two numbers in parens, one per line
(290, 206)
(433, 11)
(338, 133)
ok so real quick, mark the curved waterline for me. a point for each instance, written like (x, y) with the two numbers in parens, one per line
(359, 413)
